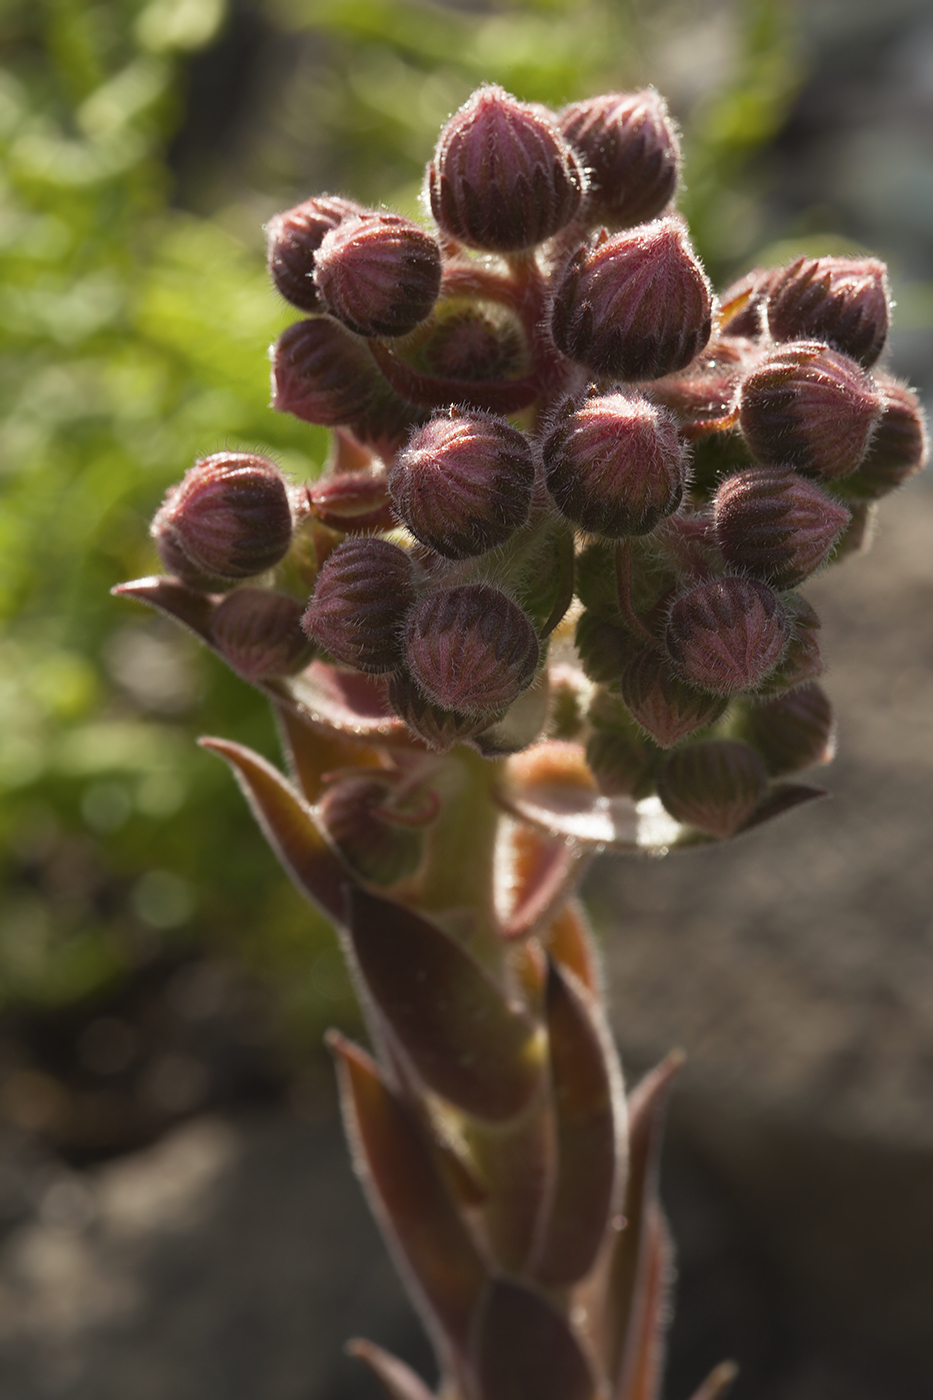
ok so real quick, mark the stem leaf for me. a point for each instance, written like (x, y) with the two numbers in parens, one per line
(525, 1349)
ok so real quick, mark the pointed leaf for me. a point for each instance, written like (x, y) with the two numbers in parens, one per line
(398, 1379)
(312, 750)
(717, 1382)
(782, 798)
(514, 1160)
(348, 701)
(455, 1025)
(525, 1349)
(393, 1157)
(544, 869)
(628, 1323)
(185, 605)
(289, 826)
(588, 1102)
(570, 943)
(643, 1356)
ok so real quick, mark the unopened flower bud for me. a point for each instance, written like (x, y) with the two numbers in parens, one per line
(629, 147)
(463, 484)
(357, 814)
(714, 786)
(503, 178)
(621, 763)
(437, 727)
(857, 537)
(357, 611)
(378, 273)
(475, 343)
(803, 660)
(259, 634)
(230, 516)
(840, 300)
(667, 708)
(292, 240)
(898, 449)
(743, 305)
(471, 649)
(323, 374)
(635, 306)
(809, 407)
(605, 648)
(616, 466)
(792, 732)
(775, 525)
(727, 634)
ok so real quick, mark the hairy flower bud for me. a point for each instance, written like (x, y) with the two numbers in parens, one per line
(635, 306)
(727, 634)
(714, 786)
(230, 516)
(292, 240)
(605, 648)
(663, 705)
(808, 407)
(840, 300)
(471, 649)
(435, 726)
(463, 484)
(475, 342)
(803, 660)
(323, 374)
(631, 153)
(616, 466)
(357, 814)
(378, 273)
(792, 732)
(775, 525)
(898, 449)
(259, 634)
(358, 608)
(503, 178)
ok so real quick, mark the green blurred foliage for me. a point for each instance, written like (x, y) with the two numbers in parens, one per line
(134, 315)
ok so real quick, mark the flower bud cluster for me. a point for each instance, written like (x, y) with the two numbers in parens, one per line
(545, 416)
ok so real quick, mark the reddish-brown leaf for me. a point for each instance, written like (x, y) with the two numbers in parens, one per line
(399, 1381)
(289, 826)
(570, 943)
(588, 1103)
(454, 1024)
(525, 1350)
(544, 869)
(185, 605)
(312, 750)
(349, 701)
(782, 798)
(717, 1382)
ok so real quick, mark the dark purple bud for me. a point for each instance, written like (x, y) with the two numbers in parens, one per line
(470, 343)
(440, 729)
(635, 306)
(605, 648)
(463, 484)
(843, 301)
(714, 786)
(471, 649)
(230, 516)
(259, 634)
(632, 156)
(899, 447)
(621, 763)
(794, 731)
(664, 706)
(616, 466)
(292, 240)
(358, 608)
(503, 178)
(803, 660)
(727, 634)
(775, 525)
(808, 407)
(358, 815)
(323, 374)
(743, 305)
(858, 535)
(378, 273)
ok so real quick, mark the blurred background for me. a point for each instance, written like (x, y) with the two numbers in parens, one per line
(177, 1219)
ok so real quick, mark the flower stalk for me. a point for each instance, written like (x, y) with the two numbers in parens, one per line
(551, 566)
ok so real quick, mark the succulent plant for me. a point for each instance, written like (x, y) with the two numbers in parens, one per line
(550, 612)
